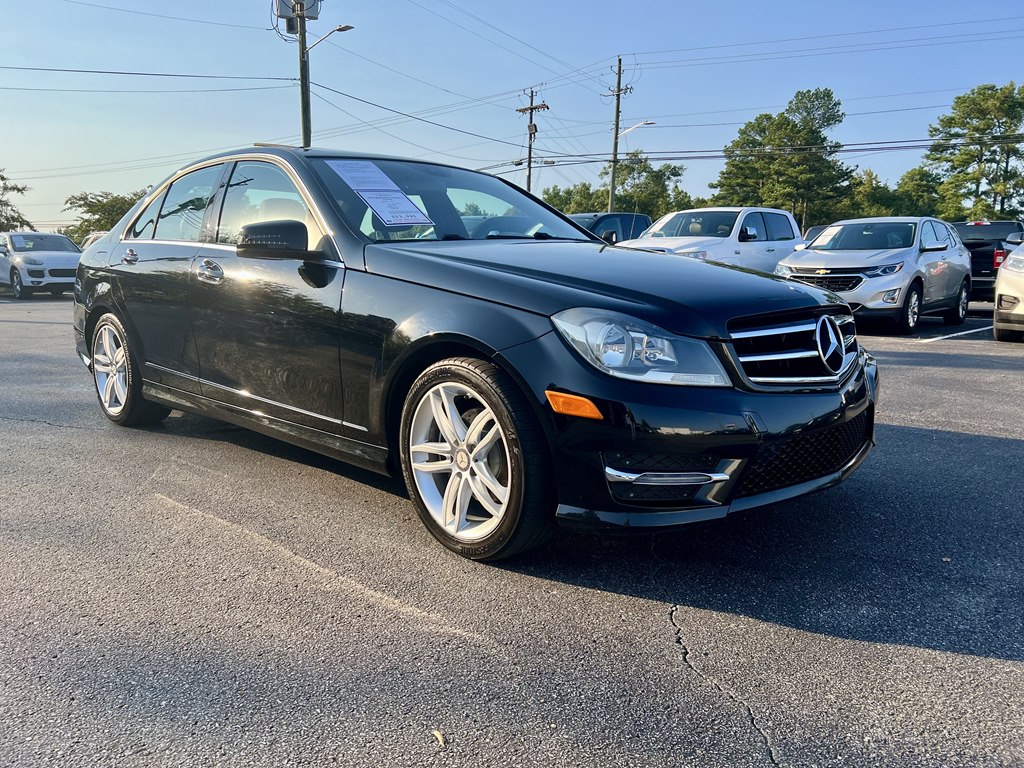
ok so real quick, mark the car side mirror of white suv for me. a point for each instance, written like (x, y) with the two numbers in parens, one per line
(933, 245)
(747, 234)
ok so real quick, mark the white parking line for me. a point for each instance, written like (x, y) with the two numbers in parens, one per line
(950, 336)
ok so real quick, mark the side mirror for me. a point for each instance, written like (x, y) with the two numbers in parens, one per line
(609, 236)
(747, 234)
(3, 250)
(274, 240)
(799, 246)
(1017, 238)
(933, 245)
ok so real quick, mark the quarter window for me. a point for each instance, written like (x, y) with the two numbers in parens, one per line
(145, 225)
(259, 192)
(181, 217)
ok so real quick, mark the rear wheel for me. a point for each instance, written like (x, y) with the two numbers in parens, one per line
(1005, 334)
(958, 313)
(117, 378)
(18, 286)
(910, 315)
(476, 461)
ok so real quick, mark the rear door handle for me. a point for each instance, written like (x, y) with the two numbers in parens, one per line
(209, 271)
(130, 257)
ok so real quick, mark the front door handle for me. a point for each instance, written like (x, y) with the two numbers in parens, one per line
(130, 257)
(770, 250)
(209, 271)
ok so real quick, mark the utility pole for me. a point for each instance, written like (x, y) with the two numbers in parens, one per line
(531, 132)
(307, 123)
(617, 93)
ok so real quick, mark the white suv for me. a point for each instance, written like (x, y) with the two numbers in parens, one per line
(747, 237)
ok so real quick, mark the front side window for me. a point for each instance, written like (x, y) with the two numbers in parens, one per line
(260, 192)
(398, 200)
(181, 216)
(34, 241)
(754, 224)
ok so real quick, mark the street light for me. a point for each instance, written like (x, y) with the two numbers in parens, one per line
(615, 160)
(300, 17)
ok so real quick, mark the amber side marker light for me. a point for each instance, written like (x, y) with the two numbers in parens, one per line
(572, 405)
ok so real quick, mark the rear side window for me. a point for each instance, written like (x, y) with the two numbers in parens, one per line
(181, 216)
(145, 225)
(779, 227)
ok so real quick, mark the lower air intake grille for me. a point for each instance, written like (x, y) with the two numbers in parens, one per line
(660, 462)
(797, 459)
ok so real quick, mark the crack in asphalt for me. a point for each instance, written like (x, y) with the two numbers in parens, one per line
(731, 695)
(51, 424)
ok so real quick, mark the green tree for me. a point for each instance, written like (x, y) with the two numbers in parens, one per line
(11, 217)
(868, 196)
(917, 193)
(99, 211)
(639, 188)
(788, 161)
(979, 153)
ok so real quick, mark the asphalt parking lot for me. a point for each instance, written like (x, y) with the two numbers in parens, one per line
(195, 595)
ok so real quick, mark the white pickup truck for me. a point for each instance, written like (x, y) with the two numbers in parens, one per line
(756, 238)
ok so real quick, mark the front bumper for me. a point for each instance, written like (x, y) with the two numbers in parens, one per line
(667, 456)
(1009, 301)
(869, 297)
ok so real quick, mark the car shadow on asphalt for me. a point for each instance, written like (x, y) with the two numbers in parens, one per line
(929, 359)
(921, 547)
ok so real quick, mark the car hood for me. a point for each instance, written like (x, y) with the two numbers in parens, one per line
(685, 296)
(51, 258)
(807, 257)
(674, 243)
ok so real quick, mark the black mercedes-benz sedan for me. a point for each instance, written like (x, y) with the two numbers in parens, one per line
(440, 323)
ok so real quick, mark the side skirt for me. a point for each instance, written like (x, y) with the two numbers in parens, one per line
(365, 455)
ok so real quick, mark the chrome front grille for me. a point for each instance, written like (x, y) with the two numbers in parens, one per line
(837, 283)
(786, 353)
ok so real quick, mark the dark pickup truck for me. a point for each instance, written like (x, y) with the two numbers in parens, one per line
(613, 227)
(988, 244)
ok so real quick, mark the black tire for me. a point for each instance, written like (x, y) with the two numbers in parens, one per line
(958, 313)
(517, 459)
(18, 286)
(57, 291)
(910, 314)
(1005, 334)
(116, 376)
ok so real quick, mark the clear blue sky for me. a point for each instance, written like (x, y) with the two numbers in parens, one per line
(697, 69)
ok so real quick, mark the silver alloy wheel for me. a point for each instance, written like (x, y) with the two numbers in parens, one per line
(460, 461)
(965, 299)
(913, 309)
(17, 286)
(110, 369)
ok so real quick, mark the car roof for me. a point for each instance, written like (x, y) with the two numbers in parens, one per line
(289, 152)
(884, 220)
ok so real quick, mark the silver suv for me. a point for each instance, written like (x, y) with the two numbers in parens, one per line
(893, 267)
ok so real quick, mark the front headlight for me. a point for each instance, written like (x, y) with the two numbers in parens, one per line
(887, 269)
(782, 270)
(702, 255)
(32, 261)
(628, 348)
(1014, 262)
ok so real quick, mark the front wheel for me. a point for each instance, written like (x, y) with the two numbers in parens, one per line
(910, 315)
(1005, 334)
(117, 379)
(958, 313)
(476, 461)
(18, 286)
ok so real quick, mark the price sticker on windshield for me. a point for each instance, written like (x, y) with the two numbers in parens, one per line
(385, 198)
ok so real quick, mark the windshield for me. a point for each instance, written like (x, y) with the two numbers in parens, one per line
(32, 241)
(693, 224)
(865, 236)
(986, 230)
(399, 201)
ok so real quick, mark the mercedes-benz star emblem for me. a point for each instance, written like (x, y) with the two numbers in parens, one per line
(830, 343)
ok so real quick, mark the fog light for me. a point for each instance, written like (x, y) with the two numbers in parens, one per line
(1007, 302)
(891, 297)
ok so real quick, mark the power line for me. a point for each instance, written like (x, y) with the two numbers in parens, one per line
(161, 16)
(145, 74)
(115, 90)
